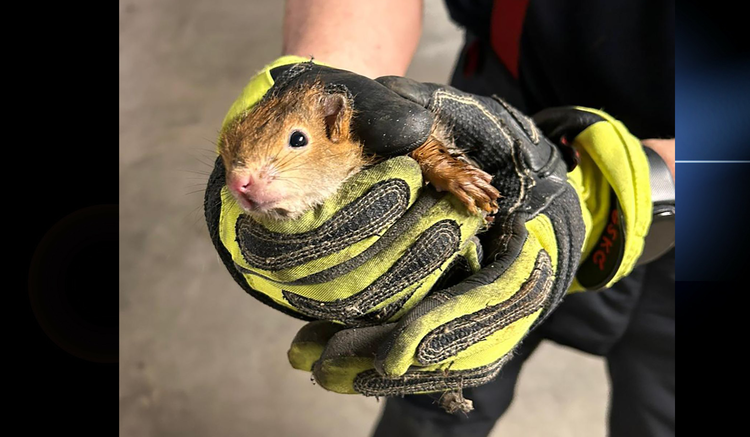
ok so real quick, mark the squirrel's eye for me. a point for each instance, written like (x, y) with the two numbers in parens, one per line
(298, 139)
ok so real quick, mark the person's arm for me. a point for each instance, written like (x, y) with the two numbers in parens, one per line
(665, 149)
(372, 38)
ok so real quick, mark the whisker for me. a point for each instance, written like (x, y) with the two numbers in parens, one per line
(207, 164)
(287, 159)
(210, 141)
(296, 177)
(194, 171)
(287, 168)
(291, 181)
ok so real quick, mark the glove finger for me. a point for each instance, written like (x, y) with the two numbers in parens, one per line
(490, 311)
(564, 121)
(562, 125)
(420, 381)
(309, 343)
(348, 353)
(418, 92)
(491, 107)
(485, 128)
(346, 366)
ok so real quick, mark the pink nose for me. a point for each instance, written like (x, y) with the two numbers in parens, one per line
(253, 189)
(241, 183)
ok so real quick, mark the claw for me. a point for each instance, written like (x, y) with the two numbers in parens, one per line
(471, 185)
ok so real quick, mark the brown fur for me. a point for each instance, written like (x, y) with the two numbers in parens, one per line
(257, 142)
(449, 170)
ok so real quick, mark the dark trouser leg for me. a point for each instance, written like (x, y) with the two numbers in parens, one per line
(642, 364)
(633, 326)
(421, 416)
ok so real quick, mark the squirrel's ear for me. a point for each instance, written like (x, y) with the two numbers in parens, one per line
(337, 113)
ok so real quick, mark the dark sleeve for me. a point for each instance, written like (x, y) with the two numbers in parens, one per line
(472, 14)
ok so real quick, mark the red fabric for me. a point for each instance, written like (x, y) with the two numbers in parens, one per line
(505, 33)
(472, 59)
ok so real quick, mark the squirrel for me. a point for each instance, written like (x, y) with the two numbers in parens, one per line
(291, 152)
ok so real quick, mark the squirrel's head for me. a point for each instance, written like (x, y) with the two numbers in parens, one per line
(291, 151)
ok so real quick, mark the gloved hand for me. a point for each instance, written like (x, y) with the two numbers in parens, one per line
(374, 249)
(610, 173)
(461, 336)
(363, 271)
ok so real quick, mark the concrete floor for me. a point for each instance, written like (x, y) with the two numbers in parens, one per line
(198, 357)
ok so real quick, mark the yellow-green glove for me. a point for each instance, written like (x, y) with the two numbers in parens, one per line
(461, 336)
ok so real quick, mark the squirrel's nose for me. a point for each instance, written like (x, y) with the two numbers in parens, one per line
(241, 183)
(252, 189)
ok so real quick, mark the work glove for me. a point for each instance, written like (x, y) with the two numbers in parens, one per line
(460, 336)
(462, 333)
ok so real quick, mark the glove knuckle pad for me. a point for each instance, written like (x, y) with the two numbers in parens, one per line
(459, 334)
(374, 211)
(430, 251)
